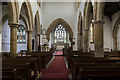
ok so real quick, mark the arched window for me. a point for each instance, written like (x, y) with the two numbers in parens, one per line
(21, 34)
(91, 33)
(60, 34)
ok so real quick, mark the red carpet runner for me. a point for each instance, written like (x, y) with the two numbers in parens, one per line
(59, 53)
(57, 70)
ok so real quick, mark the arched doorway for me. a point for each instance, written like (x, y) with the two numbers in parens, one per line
(59, 35)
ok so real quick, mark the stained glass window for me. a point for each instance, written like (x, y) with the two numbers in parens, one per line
(60, 34)
(21, 34)
(91, 33)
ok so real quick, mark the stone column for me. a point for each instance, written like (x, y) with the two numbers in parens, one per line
(99, 41)
(115, 43)
(86, 40)
(39, 47)
(37, 35)
(36, 42)
(29, 41)
(80, 42)
(13, 40)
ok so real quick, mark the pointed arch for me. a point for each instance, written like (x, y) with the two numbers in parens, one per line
(13, 10)
(115, 31)
(37, 31)
(87, 13)
(24, 20)
(80, 34)
(37, 22)
(53, 25)
(80, 23)
(29, 14)
(88, 10)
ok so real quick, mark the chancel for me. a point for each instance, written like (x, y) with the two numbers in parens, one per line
(59, 40)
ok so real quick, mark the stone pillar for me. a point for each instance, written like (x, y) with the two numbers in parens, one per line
(29, 41)
(36, 42)
(115, 43)
(86, 40)
(99, 41)
(39, 47)
(80, 42)
(13, 40)
(37, 36)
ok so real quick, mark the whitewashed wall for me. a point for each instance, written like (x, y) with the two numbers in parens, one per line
(6, 39)
(52, 11)
(107, 33)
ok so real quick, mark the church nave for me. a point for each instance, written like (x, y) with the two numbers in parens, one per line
(59, 40)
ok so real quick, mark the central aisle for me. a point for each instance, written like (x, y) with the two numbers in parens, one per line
(56, 70)
(59, 53)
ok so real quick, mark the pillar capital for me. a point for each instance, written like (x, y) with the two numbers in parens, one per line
(13, 24)
(99, 22)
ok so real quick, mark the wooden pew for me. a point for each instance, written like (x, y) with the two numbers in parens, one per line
(112, 54)
(87, 60)
(25, 65)
(97, 66)
(78, 53)
(32, 62)
(5, 54)
(9, 74)
(23, 71)
(103, 73)
(46, 56)
(36, 61)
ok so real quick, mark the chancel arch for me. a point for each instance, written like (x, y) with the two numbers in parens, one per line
(59, 26)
